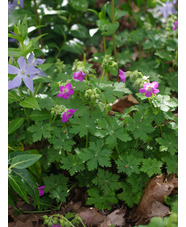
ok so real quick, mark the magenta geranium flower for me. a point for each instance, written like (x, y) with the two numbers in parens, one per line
(41, 191)
(66, 91)
(175, 25)
(67, 115)
(79, 75)
(149, 89)
(122, 75)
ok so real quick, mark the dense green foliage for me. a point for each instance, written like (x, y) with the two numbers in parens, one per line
(112, 157)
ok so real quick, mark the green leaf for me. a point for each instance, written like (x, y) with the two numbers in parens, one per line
(95, 155)
(56, 185)
(80, 5)
(139, 126)
(79, 31)
(24, 28)
(62, 140)
(30, 103)
(12, 97)
(106, 181)
(129, 197)
(18, 186)
(101, 200)
(73, 46)
(29, 183)
(14, 125)
(24, 161)
(106, 27)
(128, 164)
(73, 164)
(40, 130)
(151, 166)
(37, 115)
(165, 102)
(14, 51)
(168, 142)
(171, 164)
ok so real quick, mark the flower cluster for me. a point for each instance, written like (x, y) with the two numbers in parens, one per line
(66, 91)
(25, 72)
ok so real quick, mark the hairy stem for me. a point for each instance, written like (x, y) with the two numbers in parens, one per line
(38, 23)
(113, 35)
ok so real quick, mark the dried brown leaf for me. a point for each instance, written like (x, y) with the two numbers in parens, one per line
(117, 217)
(90, 216)
(121, 104)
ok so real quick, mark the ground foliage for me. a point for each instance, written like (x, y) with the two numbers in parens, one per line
(117, 141)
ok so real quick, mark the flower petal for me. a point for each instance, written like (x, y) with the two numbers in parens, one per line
(155, 91)
(30, 58)
(32, 70)
(142, 90)
(64, 117)
(16, 82)
(154, 84)
(21, 62)
(28, 82)
(13, 70)
(148, 94)
(60, 95)
(39, 61)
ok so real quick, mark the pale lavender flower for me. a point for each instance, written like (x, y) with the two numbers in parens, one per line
(79, 75)
(66, 91)
(122, 75)
(175, 25)
(32, 62)
(12, 5)
(24, 73)
(41, 191)
(67, 115)
(56, 225)
(149, 89)
(168, 8)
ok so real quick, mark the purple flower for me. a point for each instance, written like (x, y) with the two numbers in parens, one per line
(175, 25)
(122, 75)
(12, 5)
(56, 225)
(66, 91)
(79, 75)
(32, 62)
(41, 191)
(168, 8)
(67, 115)
(149, 88)
(23, 72)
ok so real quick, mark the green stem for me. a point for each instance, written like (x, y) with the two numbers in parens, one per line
(38, 23)
(102, 76)
(87, 140)
(107, 74)
(104, 44)
(151, 104)
(35, 93)
(113, 35)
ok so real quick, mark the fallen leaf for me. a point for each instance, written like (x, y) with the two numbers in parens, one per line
(151, 204)
(117, 217)
(121, 104)
(90, 216)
